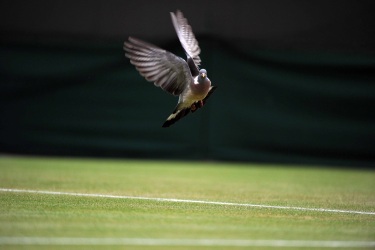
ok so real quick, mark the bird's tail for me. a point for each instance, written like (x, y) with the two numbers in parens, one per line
(176, 115)
(181, 111)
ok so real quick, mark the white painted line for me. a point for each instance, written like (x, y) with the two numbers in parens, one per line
(181, 242)
(185, 201)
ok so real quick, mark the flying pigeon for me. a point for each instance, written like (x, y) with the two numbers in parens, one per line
(172, 73)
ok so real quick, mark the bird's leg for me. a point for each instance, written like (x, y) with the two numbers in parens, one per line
(196, 105)
(200, 103)
(193, 107)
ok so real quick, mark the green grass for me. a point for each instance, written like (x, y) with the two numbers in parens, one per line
(43, 215)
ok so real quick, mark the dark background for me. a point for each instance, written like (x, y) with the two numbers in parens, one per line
(296, 81)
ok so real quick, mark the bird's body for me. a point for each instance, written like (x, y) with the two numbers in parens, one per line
(172, 73)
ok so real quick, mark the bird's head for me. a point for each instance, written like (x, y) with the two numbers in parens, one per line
(202, 73)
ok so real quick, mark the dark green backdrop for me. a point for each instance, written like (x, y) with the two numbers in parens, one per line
(66, 98)
(296, 80)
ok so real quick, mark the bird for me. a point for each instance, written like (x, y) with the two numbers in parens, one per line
(173, 74)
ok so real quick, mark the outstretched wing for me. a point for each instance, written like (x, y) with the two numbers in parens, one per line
(186, 36)
(165, 69)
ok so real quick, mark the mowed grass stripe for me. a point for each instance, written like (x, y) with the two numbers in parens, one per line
(196, 203)
(180, 242)
(186, 201)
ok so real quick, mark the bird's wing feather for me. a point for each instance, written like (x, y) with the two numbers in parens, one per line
(165, 69)
(186, 36)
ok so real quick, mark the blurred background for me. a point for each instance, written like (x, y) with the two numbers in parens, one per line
(296, 81)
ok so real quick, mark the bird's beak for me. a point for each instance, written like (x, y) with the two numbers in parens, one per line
(203, 75)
